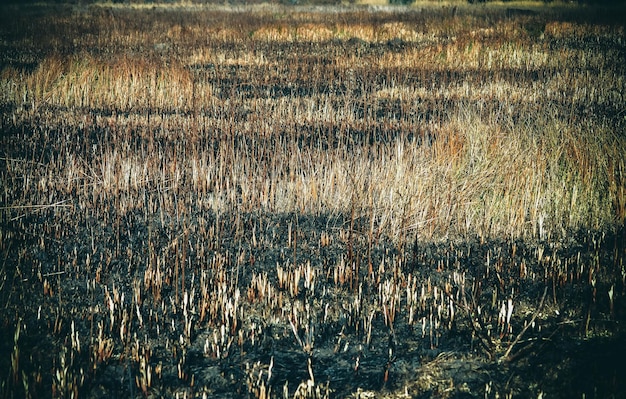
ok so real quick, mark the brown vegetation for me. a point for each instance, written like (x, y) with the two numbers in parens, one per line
(292, 202)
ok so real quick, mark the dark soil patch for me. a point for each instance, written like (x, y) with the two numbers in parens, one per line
(91, 321)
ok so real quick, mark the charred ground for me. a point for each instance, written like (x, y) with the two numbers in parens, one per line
(312, 202)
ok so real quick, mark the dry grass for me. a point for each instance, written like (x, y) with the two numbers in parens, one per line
(189, 145)
(523, 137)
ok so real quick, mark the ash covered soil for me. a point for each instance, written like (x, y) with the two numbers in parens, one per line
(247, 305)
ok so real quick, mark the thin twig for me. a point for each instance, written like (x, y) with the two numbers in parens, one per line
(47, 275)
(521, 333)
(38, 206)
(295, 332)
(21, 160)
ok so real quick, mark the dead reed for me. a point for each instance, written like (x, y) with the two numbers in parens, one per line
(335, 189)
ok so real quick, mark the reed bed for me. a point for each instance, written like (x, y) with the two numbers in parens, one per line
(287, 202)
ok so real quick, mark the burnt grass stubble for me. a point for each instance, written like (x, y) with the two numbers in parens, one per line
(80, 314)
(557, 356)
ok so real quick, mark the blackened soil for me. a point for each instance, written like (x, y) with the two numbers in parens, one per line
(249, 304)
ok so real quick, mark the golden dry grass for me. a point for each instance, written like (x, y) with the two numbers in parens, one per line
(517, 146)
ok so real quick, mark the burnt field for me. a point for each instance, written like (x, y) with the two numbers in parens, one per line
(312, 202)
